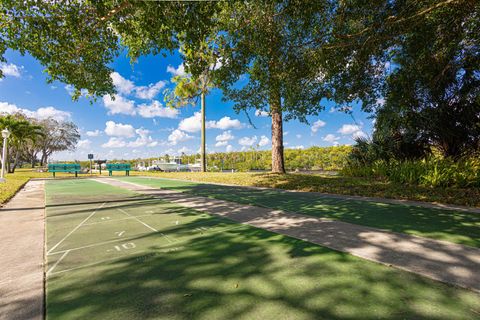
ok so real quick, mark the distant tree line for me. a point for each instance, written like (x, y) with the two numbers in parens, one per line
(33, 141)
(313, 158)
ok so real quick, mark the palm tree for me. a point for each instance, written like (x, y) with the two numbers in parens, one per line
(22, 131)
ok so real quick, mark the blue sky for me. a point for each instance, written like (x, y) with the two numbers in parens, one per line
(137, 124)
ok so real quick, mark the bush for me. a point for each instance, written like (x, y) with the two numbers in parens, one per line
(433, 172)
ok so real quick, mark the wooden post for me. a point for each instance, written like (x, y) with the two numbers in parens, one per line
(203, 147)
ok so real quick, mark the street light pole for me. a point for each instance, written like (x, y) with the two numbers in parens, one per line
(5, 135)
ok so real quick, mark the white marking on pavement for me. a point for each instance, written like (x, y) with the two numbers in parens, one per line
(76, 228)
(56, 263)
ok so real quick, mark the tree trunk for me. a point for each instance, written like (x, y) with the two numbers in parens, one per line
(278, 162)
(203, 147)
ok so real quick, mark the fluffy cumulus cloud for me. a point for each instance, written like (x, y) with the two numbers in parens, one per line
(178, 136)
(247, 141)
(156, 109)
(119, 105)
(84, 144)
(261, 113)
(150, 91)
(224, 138)
(10, 69)
(41, 113)
(122, 85)
(226, 123)
(352, 129)
(119, 129)
(229, 148)
(263, 141)
(143, 139)
(317, 125)
(114, 142)
(330, 138)
(347, 129)
(94, 133)
(179, 71)
(193, 123)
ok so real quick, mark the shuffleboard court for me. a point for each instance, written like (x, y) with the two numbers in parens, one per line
(449, 225)
(115, 254)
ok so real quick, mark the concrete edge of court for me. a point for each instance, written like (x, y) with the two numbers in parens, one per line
(22, 239)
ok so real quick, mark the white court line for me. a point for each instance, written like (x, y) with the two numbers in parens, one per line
(76, 228)
(114, 220)
(99, 244)
(146, 225)
(56, 263)
(137, 252)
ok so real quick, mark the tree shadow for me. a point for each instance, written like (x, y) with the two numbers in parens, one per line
(249, 273)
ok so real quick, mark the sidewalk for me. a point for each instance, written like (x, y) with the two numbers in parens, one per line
(22, 229)
(443, 261)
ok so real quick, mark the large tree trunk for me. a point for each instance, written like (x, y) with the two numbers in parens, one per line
(278, 162)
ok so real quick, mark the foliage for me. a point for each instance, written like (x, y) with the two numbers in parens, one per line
(431, 172)
(22, 132)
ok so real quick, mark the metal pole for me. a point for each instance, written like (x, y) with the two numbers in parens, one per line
(203, 147)
(4, 158)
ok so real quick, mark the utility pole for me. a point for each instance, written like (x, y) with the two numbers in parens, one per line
(203, 147)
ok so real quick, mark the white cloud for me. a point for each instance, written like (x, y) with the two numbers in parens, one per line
(178, 136)
(317, 125)
(114, 143)
(285, 133)
(10, 69)
(156, 109)
(150, 91)
(84, 144)
(349, 129)
(194, 123)
(263, 141)
(191, 124)
(299, 136)
(119, 129)
(261, 113)
(95, 133)
(330, 138)
(226, 123)
(143, 139)
(119, 105)
(121, 84)
(180, 71)
(359, 135)
(51, 112)
(247, 141)
(224, 138)
(298, 147)
(41, 113)
(229, 148)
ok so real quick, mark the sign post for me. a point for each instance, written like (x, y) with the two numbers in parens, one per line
(90, 157)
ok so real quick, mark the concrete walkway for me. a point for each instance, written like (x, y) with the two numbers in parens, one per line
(440, 260)
(22, 230)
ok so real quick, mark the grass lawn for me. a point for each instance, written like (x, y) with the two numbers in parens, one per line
(114, 254)
(333, 184)
(454, 226)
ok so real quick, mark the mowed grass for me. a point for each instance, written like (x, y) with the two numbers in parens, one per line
(197, 266)
(454, 226)
(333, 184)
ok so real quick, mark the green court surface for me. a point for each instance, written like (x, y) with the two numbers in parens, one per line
(114, 254)
(454, 226)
